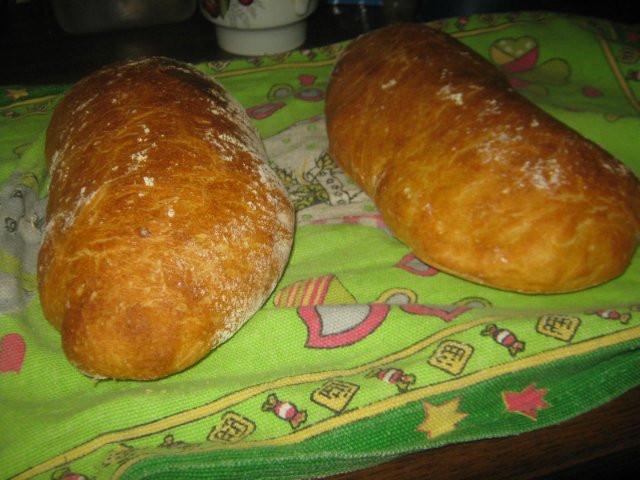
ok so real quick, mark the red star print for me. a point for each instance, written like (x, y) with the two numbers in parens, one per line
(633, 37)
(527, 402)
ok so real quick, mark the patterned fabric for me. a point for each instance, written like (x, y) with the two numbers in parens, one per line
(363, 352)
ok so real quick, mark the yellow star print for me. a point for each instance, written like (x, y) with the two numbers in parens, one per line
(441, 419)
(16, 93)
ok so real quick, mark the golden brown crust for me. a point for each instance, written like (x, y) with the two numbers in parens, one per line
(166, 228)
(475, 179)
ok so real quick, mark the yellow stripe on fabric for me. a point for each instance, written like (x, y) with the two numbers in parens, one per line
(277, 66)
(480, 31)
(613, 65)
(30, 101)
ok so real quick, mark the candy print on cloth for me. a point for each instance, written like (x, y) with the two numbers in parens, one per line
(394, 376)
(504, 337)
(285, 411)
(615, 315)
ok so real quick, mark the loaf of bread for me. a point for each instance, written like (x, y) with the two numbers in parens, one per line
(166, 227)
(475, 179)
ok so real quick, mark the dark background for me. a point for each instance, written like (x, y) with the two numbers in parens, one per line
(35, 50)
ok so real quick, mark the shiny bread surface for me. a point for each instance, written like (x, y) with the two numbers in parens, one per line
(166, 227)
(475, 179)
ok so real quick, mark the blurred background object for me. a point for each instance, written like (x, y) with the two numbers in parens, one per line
(252, 28)
(89, 16)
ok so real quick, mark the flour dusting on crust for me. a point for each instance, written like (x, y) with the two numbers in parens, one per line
(171, 180)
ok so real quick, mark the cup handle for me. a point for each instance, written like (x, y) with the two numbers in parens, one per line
(301, 6)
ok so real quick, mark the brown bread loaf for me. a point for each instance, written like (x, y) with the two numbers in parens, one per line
(166, 228)
(475, 179)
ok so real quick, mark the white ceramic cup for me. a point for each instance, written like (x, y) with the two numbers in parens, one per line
(258, 27)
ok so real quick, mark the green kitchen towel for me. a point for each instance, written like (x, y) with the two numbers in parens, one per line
(363, 352)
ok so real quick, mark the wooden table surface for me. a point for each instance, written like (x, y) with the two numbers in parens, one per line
(604, 443)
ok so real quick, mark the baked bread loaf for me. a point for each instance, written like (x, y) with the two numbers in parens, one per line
(166, 228)
(475, 179)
